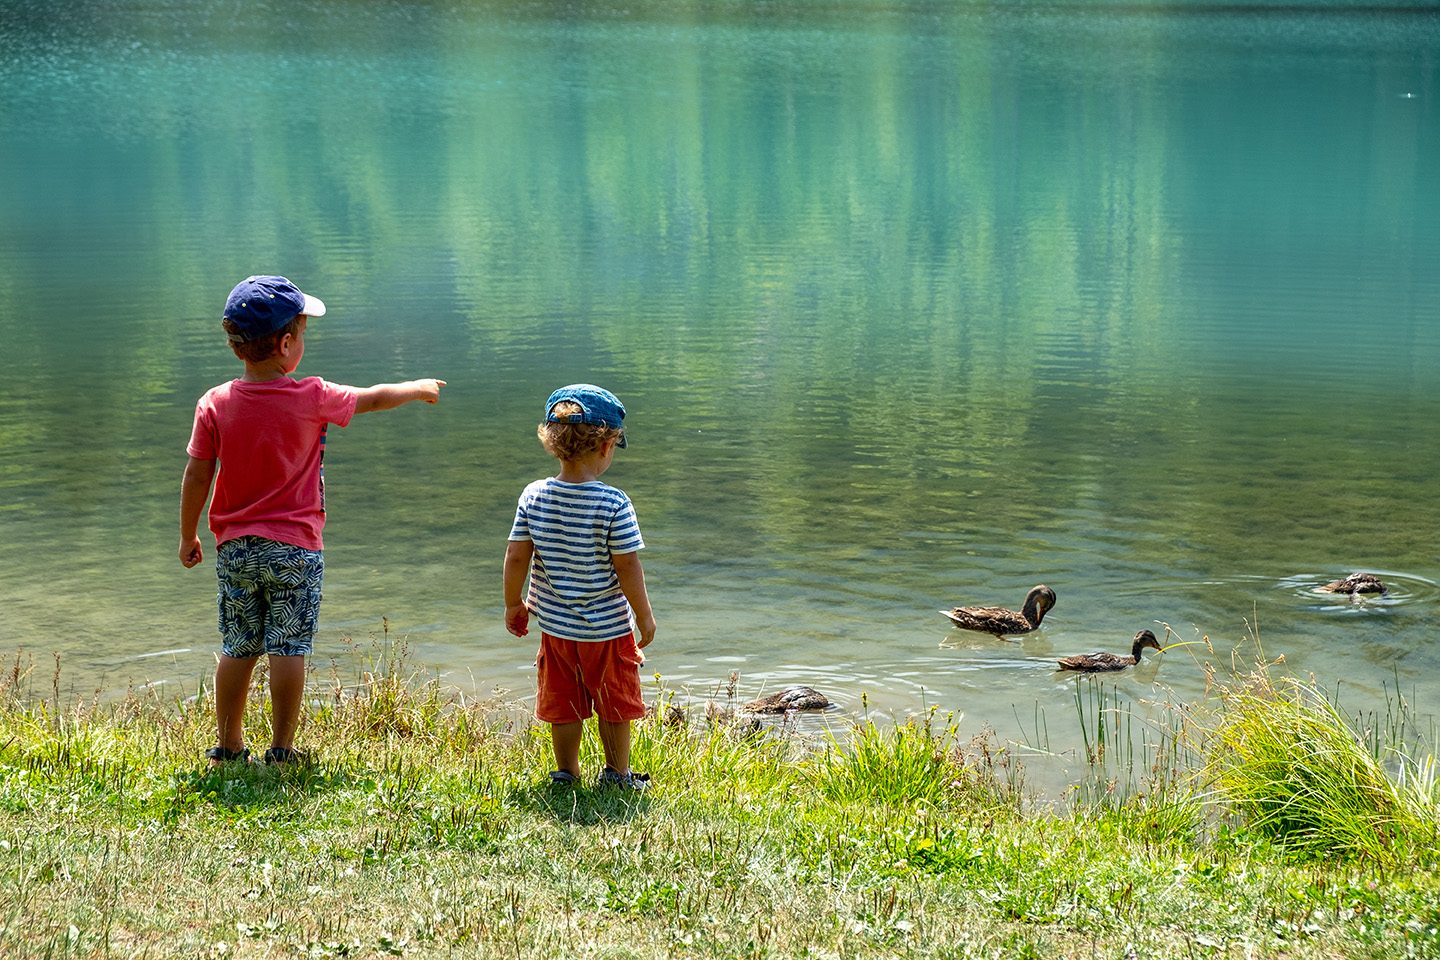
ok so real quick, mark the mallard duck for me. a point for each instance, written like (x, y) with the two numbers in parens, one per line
(791, 698)
(1104, 662)
(1355, 583)
(1001, 622)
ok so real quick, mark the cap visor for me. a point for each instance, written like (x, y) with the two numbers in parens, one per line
(313, 306)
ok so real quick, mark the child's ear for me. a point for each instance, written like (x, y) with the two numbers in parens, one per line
(287, 343)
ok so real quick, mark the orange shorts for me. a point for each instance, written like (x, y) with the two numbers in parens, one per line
(576, 679)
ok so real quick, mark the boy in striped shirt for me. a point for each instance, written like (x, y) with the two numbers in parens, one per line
(578, 540)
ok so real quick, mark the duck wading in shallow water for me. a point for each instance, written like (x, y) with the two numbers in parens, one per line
(1106, 662)
(1356, 583)
(1001, 622)
(791, 698)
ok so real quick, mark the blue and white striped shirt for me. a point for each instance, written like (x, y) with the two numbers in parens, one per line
(574, 591)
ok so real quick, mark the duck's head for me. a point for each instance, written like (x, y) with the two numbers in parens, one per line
(1039, 600)
(1144, 639)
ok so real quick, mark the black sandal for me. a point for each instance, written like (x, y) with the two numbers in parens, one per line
(221, 755)
(610, 777)
(283, 755)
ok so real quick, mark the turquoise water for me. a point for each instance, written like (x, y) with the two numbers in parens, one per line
(913, 305)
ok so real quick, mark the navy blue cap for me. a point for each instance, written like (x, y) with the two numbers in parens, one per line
(258, 306)
(597, 406)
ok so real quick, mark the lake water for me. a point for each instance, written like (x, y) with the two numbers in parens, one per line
(912, 305)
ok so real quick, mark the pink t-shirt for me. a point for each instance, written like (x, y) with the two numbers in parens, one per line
(270, 440)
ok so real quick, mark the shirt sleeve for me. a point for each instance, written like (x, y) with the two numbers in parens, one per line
(202, 433)
(625, 529)
(336, 402)
(520, 529)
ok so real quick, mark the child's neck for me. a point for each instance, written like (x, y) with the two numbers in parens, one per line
(264, 370)
(581, 471)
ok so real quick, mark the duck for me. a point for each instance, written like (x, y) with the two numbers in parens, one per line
(1106, 662)
(1355, 583)
(795, 697)
(1001, 622)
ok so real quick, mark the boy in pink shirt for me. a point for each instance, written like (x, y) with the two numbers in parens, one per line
(267, 433)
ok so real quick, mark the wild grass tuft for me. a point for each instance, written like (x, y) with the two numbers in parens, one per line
(904, 764)
(1276, 756)
(1294, 767)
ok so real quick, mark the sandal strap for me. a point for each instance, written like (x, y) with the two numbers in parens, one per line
(225, 756)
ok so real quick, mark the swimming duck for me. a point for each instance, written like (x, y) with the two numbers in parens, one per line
(1104, 662)
(1355, 583)
(1001, 622)
(791, 698)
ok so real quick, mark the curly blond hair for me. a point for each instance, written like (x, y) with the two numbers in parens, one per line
(572, 441)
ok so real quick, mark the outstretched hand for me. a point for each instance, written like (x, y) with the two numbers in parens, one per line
(430, 389)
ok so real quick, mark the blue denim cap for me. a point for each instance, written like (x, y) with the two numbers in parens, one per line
(597, 405)
(258, 306)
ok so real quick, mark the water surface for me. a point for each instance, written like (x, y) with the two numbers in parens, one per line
(912, 305)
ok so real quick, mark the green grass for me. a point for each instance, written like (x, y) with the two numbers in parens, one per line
(1286, 759)
(426, 827)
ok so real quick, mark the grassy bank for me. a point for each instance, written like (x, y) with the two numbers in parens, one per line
(425, 827)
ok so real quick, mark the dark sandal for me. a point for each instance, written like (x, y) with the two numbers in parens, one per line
(283, 755)
(563, 778)
(221, 755)
(610, 777)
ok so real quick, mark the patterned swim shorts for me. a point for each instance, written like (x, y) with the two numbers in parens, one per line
(269, 597)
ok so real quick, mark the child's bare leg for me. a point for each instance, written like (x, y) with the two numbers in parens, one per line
(232, 688)
(565, 738)
(287, 691)
(615, 738)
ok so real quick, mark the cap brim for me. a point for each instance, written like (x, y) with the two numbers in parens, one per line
(313, 306)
